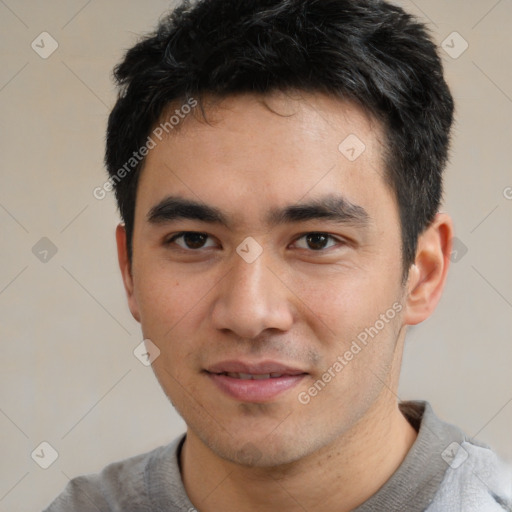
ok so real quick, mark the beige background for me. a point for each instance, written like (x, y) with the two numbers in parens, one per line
(68, 374)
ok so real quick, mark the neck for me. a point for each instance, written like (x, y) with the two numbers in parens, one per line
(339, 477)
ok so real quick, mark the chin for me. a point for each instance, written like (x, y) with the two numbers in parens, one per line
(261, 453)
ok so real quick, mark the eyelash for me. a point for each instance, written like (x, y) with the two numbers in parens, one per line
(182, 233)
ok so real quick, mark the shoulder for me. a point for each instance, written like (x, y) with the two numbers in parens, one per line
(464, 473)
(476, 479)
(119, 486)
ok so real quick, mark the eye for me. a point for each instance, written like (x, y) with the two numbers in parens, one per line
(317, 241)
(190, 240)
(194, 240)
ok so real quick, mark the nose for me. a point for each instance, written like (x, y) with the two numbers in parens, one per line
(251, 298)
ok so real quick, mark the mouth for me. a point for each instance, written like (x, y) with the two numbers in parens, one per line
(255, 383)
(254, 376)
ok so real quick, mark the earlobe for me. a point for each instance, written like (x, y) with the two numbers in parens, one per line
(126, 271)
(427, 275)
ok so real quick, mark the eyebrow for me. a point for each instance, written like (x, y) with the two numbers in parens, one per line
(331, 207)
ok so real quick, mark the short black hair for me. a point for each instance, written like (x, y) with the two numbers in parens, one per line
(370, 52)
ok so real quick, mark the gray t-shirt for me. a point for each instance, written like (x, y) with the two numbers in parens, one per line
(443, 471)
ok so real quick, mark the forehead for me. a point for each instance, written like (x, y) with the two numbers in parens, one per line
(267, 150)
(292, 115)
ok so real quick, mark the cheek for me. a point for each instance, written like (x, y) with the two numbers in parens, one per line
(169, 304)
(356, 367)
(164, 293)
(347, 300)
(356, 320)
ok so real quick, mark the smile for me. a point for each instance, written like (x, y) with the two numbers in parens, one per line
(255, 388)
(249, 376)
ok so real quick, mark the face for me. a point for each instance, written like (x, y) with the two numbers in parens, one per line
(264, 248)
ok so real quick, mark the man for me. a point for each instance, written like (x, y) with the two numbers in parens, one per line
(278, 168)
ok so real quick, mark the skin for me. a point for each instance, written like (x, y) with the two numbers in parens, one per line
(293, 304)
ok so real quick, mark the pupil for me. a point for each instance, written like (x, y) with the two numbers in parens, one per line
(194, 240)
(316, 240)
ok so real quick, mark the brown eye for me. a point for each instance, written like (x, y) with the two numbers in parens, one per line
(317, 241)
(194, 240)
(190, 240)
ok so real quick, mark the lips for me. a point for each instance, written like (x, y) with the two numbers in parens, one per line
(271, 368)
(254, 382)
(252, 376)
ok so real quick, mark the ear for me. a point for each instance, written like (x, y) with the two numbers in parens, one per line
(126, 271)
(427, 276)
